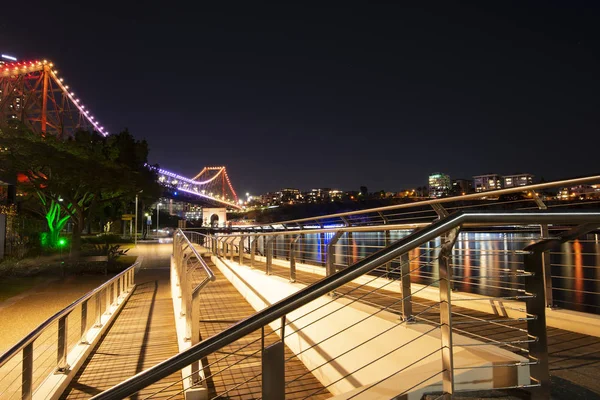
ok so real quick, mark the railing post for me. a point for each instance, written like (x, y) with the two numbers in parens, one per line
(547, 269)
(273, 372)
(446, 313)
(293, 242)
(61, 356)
(195, 335)
(242, 237)
(99, 309)
(107, 298)
(330, 255)
(350, 245)
(536, 327)
(84, 321)
(27, 372)
(405, 288)
(387, 241)
(269, 254)
(184, 287)
(232, 249)
(323, 249)
(253, 250)
(187, 299)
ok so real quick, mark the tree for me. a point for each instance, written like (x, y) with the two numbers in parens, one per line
(79, 175)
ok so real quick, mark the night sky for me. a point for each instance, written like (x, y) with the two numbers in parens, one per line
(336, 96)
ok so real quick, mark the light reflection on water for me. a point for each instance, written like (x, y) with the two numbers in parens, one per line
(482, 262)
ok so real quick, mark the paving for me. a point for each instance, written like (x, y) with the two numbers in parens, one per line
(235, 371)
(142, 335)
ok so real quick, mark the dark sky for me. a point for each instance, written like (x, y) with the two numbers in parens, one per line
(302, 95)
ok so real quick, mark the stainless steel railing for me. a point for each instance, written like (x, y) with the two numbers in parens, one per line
(569, 272)
(528, 342)
(43, 352)
(187, 260)
(423, 212)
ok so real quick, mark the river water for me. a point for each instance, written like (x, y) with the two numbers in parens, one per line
(486, 263)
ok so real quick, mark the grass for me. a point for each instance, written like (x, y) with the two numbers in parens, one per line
(18, 277)
(13, 286)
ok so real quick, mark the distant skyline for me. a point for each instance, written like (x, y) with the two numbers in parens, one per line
(295, 95)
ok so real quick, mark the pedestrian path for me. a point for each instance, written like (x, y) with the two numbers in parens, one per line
(142, 335)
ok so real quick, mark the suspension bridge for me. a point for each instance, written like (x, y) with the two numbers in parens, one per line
(33, 93)
(405, 301)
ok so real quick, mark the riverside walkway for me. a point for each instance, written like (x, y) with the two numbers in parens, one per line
(574, 358)
(142, 335)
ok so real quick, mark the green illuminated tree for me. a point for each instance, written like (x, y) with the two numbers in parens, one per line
(73, 178)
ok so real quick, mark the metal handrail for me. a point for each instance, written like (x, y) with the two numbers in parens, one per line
(329, 284)
(211, 276)
(65, 311)
(472, 196)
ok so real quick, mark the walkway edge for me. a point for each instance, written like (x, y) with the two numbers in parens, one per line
(197, 393)
(54, 386)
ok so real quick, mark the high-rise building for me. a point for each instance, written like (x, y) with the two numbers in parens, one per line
(439, 185)
(483, 183)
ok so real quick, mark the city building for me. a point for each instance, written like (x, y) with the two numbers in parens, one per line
(462, 186)
(439, 185)
(290, 196)
(517, 180)
(483, 183)
(317, 195)
(580, 192)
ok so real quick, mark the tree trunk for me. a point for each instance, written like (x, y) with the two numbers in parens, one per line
(78, 224)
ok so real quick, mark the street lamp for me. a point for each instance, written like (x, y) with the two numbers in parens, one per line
(136, 221)
(157, 216)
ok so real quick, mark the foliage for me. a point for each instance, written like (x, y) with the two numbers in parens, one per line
(105, 238)
(111, 251)
(79, 177)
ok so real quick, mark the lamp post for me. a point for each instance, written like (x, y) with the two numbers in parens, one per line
(136, 221)
(148, 226)
(157, 216)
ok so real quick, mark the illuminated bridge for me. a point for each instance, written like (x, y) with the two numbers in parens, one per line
(32, 92)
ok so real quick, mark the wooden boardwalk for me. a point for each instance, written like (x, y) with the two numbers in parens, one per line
(142, 335)
(235, 371)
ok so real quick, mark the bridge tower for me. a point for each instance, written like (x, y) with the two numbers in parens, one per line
(32, 93)
(209, 176)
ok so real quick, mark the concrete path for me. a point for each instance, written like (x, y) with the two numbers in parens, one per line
(21, 314)
(574, 358)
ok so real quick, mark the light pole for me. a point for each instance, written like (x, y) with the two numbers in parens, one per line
(136, 221)
(157, 215)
